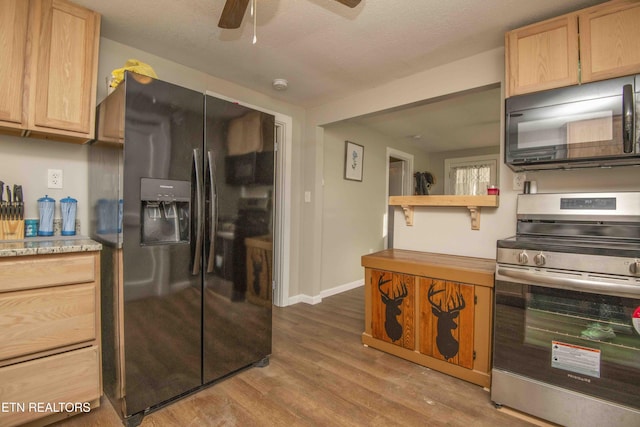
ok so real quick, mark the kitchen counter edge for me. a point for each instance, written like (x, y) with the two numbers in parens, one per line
(42, 246)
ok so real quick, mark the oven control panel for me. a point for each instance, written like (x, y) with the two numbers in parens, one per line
(539, 259)
(602, 264)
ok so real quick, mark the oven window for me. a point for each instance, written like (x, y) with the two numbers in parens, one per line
(580, 341)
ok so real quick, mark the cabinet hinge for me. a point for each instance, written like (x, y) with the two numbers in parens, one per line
(475, 299)
(474, 355)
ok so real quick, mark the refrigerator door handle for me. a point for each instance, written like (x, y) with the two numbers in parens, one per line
(196, 256)
(213, 211)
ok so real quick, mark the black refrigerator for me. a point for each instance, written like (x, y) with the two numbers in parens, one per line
(178, 183)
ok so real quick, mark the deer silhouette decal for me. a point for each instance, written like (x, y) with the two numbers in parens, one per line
(447, 344)
(392, 308)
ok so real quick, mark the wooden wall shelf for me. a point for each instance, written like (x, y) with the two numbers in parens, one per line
(473, 203)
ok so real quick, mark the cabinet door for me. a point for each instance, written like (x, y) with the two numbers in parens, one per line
(63, 69)
(13, 37)
(447, 321)
(610, 40)
(542, 56)
(47, 318)
(43, 386)
(393, 308)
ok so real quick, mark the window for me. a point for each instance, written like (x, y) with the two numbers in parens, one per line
(470, 175)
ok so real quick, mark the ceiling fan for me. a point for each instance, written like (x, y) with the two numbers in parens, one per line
(234, 10)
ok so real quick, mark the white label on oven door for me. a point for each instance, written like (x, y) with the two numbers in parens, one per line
(574, 358)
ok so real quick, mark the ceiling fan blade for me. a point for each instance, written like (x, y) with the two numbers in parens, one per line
(350, 3)
(233, 13)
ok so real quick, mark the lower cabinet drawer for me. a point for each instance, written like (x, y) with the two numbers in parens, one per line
(38, 271)
(41, 387)
(43, 319)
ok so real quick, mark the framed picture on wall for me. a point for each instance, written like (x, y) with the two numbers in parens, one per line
(353, 161)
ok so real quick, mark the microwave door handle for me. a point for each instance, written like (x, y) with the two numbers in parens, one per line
(213, 212)
(196, 256)
(627, 118)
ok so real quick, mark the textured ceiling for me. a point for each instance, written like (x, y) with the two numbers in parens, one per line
(328, 51)
(324, 49)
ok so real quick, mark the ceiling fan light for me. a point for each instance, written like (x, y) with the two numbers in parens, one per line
(280, 84)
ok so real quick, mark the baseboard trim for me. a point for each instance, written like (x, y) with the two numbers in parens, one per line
(312, 300)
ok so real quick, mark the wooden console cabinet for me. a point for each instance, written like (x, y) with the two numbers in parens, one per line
(49, 336)
(432, 309)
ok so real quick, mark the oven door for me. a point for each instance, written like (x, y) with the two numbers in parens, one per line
(548, 330)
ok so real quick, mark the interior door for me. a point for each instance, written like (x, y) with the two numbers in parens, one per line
(396, 188)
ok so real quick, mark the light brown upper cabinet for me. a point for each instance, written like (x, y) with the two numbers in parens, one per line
(48, 89)
(542, 56)
(610, 40)
(596, 43)
(14, 15)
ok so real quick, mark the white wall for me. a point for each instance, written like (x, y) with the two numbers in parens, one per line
(473, 72)
(25, 161)
(443, 230)
(353, 211)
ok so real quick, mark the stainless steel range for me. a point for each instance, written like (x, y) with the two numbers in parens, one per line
(567, 310)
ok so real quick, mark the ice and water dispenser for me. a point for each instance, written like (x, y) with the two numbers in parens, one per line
(164, 211)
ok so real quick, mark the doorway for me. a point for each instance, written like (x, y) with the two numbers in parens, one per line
(399, 183)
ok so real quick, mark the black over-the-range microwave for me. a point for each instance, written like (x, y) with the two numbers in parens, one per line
(588, 125)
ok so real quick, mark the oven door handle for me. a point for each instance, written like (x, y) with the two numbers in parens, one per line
(570, 283)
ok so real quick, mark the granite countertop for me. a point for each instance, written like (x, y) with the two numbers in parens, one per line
(48, 245)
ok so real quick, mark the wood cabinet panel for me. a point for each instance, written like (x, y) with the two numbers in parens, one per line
(49, 333)
(14, 16)
(46, 270)
(447, 321)
(431, 309)
(68, 377)
(43, 319)
(610, 40)
(64, 69)
(542, 56)
(49, 71)
(596, 43)
(392, 300)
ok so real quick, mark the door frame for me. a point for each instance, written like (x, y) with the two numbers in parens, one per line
(282, 220)
(407, 169)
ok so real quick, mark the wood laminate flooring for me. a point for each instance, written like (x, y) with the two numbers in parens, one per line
(320, 374)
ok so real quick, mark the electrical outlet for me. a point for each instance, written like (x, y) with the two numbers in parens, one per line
(518, 181)
(54, 178)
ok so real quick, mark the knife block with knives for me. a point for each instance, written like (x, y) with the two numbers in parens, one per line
(11, 213)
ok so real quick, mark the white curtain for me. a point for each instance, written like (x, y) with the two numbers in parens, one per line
(471, 180)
